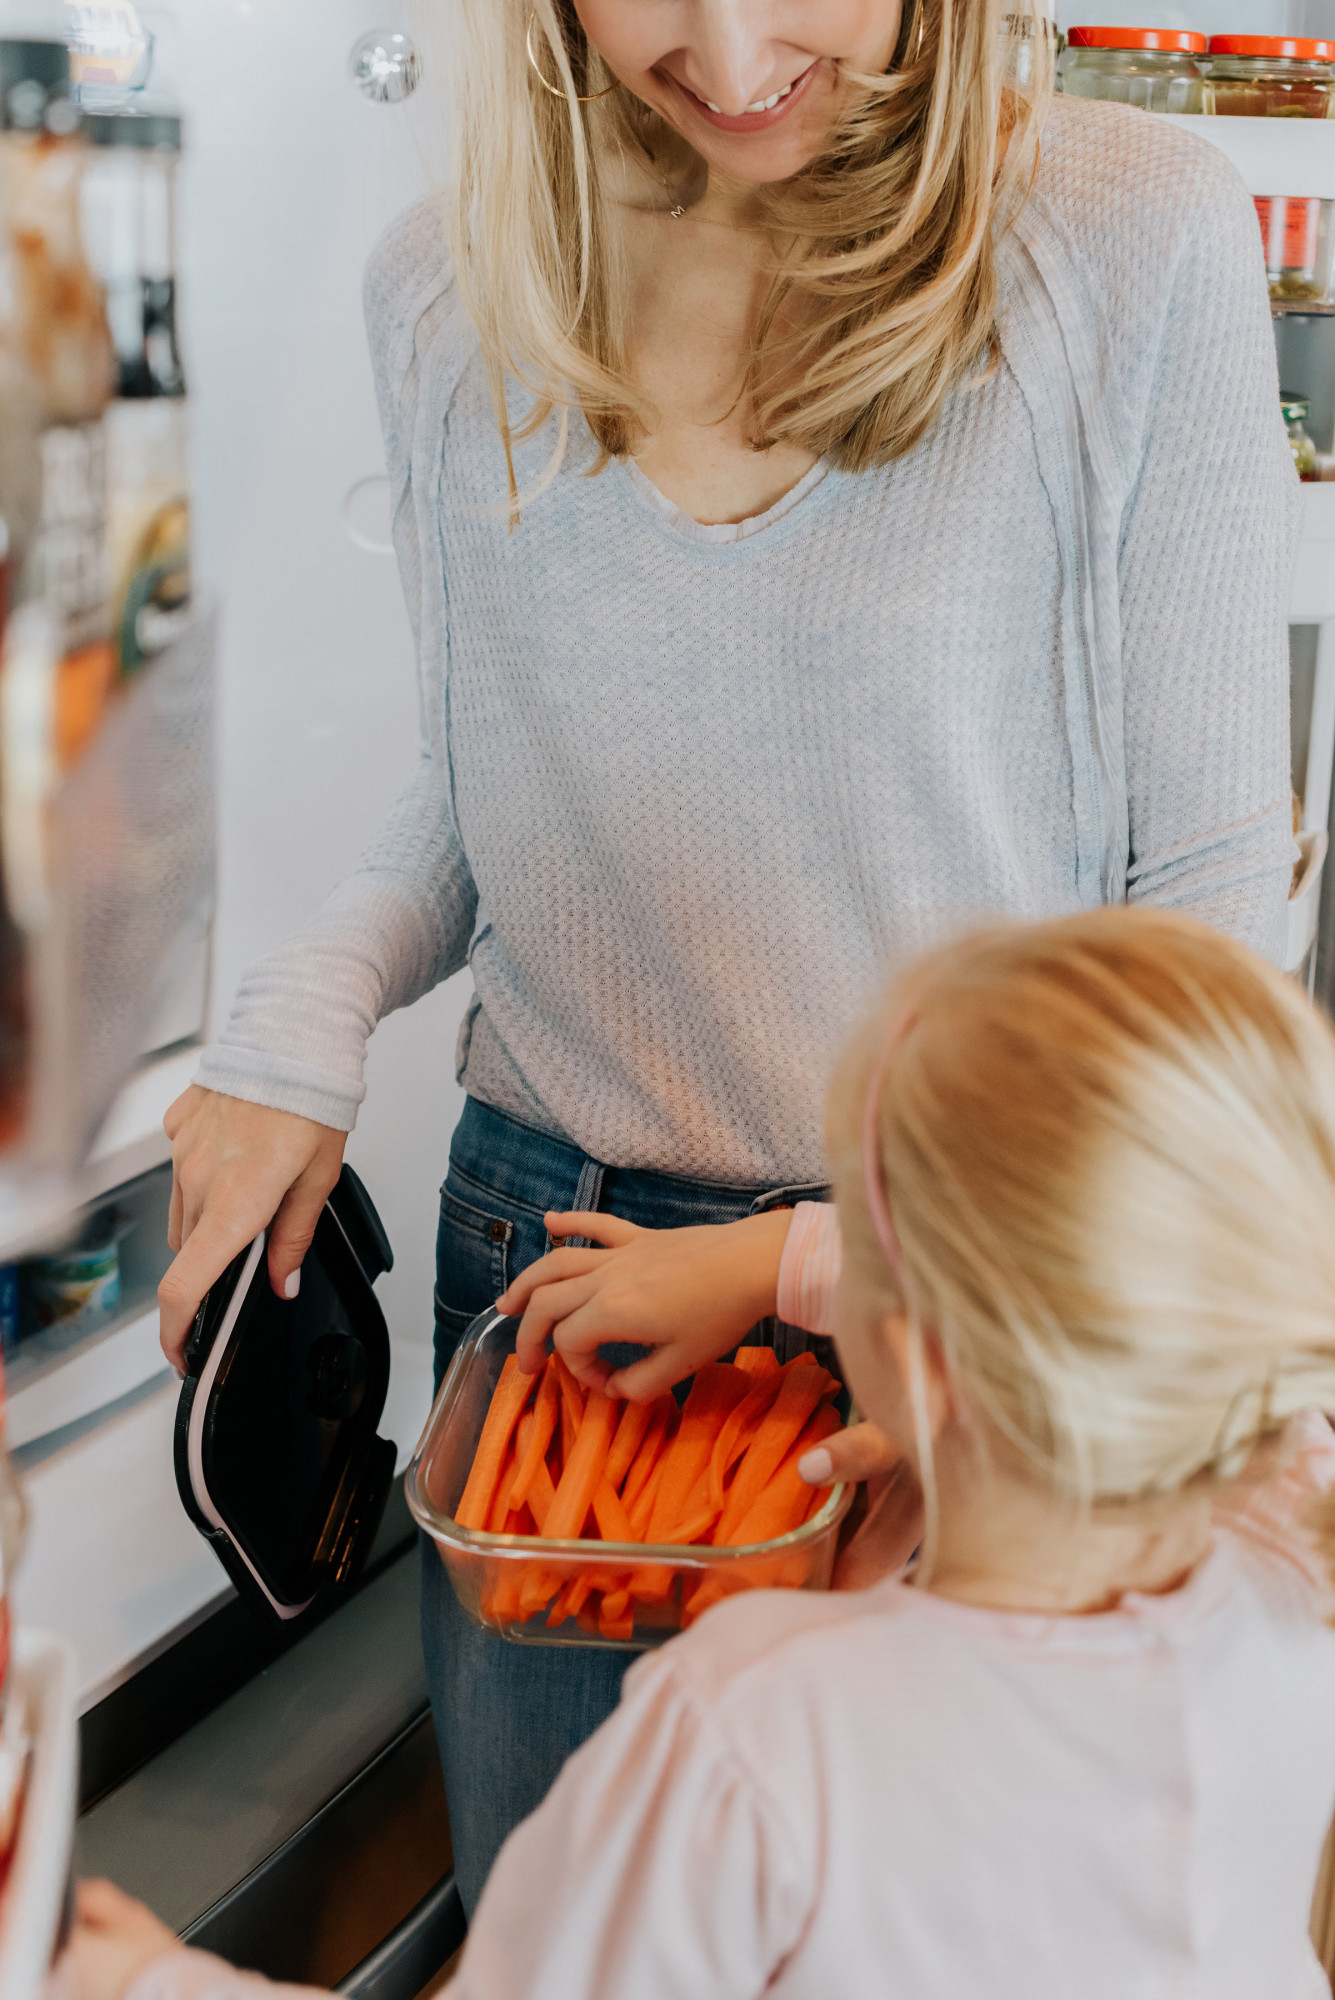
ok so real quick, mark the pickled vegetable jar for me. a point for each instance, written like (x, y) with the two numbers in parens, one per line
(1294, 410)
(1298, 232)
(1156, 69)
(1270, 76)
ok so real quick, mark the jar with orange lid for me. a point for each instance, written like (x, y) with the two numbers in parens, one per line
(1156, 69)
(1270, 76)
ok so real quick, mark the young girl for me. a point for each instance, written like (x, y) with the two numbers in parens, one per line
(1086, 1745)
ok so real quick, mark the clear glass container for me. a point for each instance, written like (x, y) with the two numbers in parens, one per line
(480, 1565)
(1270, 76)
(1298, 234)
(1154, 69)
(1294, 410)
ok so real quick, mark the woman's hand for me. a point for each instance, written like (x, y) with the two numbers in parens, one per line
(114, 1939)
(238, 1168)
(888, 1527)
(690, 1294)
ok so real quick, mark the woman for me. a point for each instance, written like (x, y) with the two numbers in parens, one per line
(934, 566)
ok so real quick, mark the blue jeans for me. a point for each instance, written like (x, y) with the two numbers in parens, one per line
(508, 1716)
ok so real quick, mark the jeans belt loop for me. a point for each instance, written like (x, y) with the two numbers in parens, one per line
(588, 1198)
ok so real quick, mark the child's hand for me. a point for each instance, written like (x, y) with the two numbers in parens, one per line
(890, 1527)
(691, 1294)
(114, 1939)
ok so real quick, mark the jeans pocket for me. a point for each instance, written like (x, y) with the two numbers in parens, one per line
(472, 1257)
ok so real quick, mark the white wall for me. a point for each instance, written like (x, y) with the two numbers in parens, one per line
(1208, 17)
(291, 175)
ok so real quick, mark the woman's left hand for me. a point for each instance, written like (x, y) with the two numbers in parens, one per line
(887, 1527)
(114, 1939)
(690, 1294)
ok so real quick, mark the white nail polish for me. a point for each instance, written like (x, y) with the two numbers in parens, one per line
(816, 1466)
(292, 1286)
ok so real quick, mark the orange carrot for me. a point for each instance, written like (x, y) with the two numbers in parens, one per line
(740, 1428)
(800, 1390)
(616, 1620)
(697, 1528)
(662, 1411)
(572, 1407)
(541, 1425)
(540, 1494)
(610, 1513)
(507, 1404)
(756, 1360)
(784, 1503)
(583, 1468)
(635, 1420)
(717, 1389)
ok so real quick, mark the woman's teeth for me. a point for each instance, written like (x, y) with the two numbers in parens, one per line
(765, 104)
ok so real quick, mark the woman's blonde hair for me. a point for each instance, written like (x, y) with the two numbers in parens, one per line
(1107, 1145)
(883, 291)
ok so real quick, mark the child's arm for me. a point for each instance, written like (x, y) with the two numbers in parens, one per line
(691, 1294)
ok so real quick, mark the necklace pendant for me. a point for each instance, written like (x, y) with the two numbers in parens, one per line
(677, 212)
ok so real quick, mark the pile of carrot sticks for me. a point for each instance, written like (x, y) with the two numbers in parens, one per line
(561, 1464)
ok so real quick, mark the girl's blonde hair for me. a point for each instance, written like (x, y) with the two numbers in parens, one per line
(883, 290)
(1107, 1145)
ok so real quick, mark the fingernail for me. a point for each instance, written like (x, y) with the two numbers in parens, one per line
(292, 1286)
(816, 1466)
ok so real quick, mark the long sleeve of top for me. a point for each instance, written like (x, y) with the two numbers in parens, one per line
(687, 792)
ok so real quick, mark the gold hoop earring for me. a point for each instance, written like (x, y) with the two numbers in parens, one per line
(555, 89)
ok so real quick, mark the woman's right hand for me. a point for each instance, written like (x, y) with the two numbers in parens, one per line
(238, 1168)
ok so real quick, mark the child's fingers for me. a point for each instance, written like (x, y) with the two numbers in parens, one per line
(557, 1264)
(849, 1456)
(609, 1230)
(643, 1380)
(549, 1305)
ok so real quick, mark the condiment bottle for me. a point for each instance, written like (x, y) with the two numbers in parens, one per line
(1270, 76)
(1294, 410)
(1155, 69)
(129, 202)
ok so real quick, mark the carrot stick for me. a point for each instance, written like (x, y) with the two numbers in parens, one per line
(583, 1468)
(740, 1428)
(572, 1407)
(610, 1513)
(697, 1528)
(641, 1512)
(800, 1390)
(500, 1499)
(717, 1389)
(540, 1494)
(507, 1403)
(756, 1360)
(786, 1499)
(545, 1415)
(635, 1421)
(662, 1410)
(616, 1620)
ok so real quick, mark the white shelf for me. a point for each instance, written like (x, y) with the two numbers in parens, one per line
(1312, 593)
(112, 1561)
(132, 1141)
(94, 1375)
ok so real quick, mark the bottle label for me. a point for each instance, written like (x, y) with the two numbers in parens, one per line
(1289, 226)
(72, 535)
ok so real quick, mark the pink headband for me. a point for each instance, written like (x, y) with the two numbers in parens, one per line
(872, 1184)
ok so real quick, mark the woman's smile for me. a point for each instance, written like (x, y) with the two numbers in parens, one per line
(754, 117)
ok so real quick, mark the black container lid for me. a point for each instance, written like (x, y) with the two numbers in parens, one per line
(278, 1461)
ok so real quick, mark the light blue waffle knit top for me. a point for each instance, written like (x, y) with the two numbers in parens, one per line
(685, 793)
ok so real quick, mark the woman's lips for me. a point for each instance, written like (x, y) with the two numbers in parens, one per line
(773, 109)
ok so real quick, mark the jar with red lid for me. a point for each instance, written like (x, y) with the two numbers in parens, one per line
(1270, 76)
(1156, 69)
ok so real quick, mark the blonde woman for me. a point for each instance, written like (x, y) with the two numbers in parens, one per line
(837, 496)
(1085, 1174)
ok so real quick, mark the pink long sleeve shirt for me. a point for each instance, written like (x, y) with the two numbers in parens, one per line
(886, 1793)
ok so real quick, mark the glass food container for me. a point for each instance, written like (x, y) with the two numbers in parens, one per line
(1298, 232)
(1270, 76)
(1155, 69)
(1294, 410)
(480, 1565)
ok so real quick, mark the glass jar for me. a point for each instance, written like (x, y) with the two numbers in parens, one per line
(1156, 69)
(1270, 76)
(1294, 410)
(1298, 235)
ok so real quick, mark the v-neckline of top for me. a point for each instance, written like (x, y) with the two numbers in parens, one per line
(721, 532)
